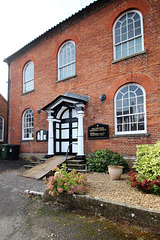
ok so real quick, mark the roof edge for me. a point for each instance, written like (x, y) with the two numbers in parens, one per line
(73, 19)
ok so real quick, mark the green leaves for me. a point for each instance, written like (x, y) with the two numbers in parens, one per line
(147, 163)
(99, 160)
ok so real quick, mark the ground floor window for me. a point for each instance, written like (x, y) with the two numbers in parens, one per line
(1, 129)
(27, 123)
(130, 110)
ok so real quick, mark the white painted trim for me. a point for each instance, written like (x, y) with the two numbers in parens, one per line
(113, 31)
(145, 117)
(2, 139)
(65, 64)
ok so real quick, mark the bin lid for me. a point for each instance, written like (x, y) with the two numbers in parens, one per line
(5, 145)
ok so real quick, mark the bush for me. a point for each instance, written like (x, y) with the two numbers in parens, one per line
(62, 181)
(99, 160)
(147, 186)
(147, 163)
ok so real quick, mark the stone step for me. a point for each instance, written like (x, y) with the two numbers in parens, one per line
(76, 161)
(28, 166)
(76, 165)
(78, 170)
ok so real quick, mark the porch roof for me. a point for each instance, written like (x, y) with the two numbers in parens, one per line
(67, 98)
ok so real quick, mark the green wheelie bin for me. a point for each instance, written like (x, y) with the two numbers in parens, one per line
(5, 151)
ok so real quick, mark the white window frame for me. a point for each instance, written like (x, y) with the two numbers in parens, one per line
(2, 137)
(128, 40)
(25, 114)
(130, 115)
(28, 79)
(70, 63)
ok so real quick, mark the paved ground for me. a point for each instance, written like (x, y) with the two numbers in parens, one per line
(23, 218)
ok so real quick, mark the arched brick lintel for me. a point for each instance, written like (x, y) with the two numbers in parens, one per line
(140, 5)
(66, 37)
(146, 82)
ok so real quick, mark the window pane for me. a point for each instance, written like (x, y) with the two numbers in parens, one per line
(119, 111)
(126, 111)
(124, 36)
(125, 95)
(119, 128)
(137, 24)
(138, 48)
(140, 100)
(133, 126)
(141, 118)
(125, 103)
(140, 126)
(136, 17)
(119, 96)
(140, 108)
(124, 90)
(137, 31)
(132, 88)
(133, 101)
(119, 103)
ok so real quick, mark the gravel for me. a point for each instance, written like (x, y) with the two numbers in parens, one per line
(101, 186)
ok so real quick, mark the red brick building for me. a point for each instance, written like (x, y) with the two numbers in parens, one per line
(3, 120)
(98, 69)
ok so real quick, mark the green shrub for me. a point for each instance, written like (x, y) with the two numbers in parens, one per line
(147, 163)
(99, 160)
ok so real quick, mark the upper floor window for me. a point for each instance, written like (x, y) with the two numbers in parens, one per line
(128, 35)
(66, 60)
(28, 77)
(27, 123)
(1, 129)
(130, 110)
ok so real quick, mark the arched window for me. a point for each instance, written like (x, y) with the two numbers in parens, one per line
(130, 110)
(27, 131)
(128, 34)
(1, 129)
(66, 60)
(28, 77)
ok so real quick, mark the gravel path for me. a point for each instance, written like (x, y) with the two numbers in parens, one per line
(101, 186)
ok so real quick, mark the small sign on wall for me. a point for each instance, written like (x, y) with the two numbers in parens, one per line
(42, 135)
(98, 131)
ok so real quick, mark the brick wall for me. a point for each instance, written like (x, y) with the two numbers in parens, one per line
(95, 75)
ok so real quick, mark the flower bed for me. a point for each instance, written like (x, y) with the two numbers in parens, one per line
(147, 186)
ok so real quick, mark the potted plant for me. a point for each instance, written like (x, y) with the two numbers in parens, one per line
(115, 171)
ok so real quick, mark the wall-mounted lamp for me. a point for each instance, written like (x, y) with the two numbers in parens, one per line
(39, 111)
(103, 97)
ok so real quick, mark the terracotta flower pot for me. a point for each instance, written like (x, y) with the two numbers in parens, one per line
(115, 172)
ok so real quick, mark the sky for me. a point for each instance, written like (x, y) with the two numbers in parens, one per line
(23, 21)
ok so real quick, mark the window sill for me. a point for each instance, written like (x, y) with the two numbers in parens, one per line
(27, 92)
(27, 140)
(64, 79)
(131, 135)
(130, 56)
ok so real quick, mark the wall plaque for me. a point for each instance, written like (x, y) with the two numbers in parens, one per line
(42, 135)
(98, 131)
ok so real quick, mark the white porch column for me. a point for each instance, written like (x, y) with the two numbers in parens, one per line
(50, 135)
(80, 115)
